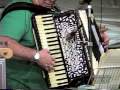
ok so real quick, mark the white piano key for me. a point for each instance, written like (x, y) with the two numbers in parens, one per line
(62, 81)
(50, 30)
(53, 43)
(51, 34)
(60, 63)
(45, 26)
(49, 26)
(63, 78)
(52, 39)
(40, 25)
(55, 78)
(54, 74)
(48, 22)
(57, 82)
(56, 85)
(59, 72)
(56, 51)
(58, 60)
(47, 16)
(53, 47)
(59, 68)
(39, 22)
(56, 56)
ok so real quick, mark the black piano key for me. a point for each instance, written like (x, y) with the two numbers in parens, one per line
(52, 44)
(61, 79)
(49, 28)
(62, 83)
(59, 70)
(50, 32)
(48, 20)
(54, 49)
(58, 61)
(48, 24)
(50, 37)
(50, 16)
(54, 53)
(58, 57)
(53, 41)
(59, 74)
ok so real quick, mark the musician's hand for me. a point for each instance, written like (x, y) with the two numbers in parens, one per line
(104, 35)
(46, 60)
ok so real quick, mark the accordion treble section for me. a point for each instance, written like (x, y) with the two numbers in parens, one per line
(61, 34)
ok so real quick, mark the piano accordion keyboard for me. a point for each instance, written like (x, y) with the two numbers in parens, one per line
(49, 40)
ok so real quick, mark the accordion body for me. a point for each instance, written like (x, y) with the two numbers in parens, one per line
(63, 34)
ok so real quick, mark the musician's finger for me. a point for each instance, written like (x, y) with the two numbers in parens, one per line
(47, 50)
(106, 47)
(103, 28)
(106, 42)
(46, 67)
(53, 61)
(49, 68)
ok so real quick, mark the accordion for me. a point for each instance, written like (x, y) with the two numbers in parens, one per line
(64, 35)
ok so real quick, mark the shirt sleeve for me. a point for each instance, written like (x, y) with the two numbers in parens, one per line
(13, 24)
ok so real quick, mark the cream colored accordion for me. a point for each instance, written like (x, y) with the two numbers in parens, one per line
(65, 36)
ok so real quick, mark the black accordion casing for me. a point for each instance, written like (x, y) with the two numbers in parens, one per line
(63, 34)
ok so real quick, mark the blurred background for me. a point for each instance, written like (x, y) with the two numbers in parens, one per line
(105, 11)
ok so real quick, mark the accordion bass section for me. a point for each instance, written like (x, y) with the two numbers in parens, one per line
(97, 47)
(61, 34)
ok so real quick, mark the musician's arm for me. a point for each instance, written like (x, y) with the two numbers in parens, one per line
(19, 50)
(103, 32)
(13, 32)
(25, 53)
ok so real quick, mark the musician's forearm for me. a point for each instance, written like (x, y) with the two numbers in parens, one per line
(19, 51)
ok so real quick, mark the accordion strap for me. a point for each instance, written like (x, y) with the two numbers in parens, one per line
(24, 6)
